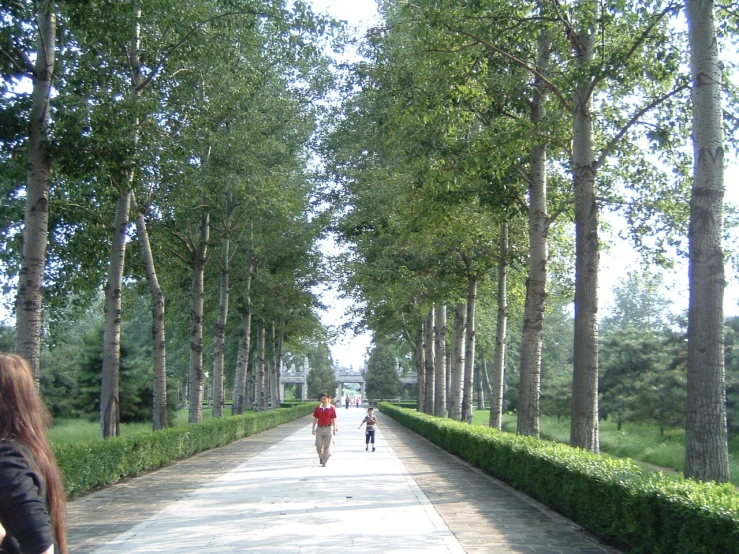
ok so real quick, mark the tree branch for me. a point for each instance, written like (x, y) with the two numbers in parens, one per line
(633, 121)
(172, 49)
(551, 86)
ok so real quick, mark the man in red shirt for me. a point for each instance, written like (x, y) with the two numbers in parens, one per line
(324, 419)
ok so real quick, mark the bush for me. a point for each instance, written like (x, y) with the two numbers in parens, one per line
(92, 464)
(615, 499)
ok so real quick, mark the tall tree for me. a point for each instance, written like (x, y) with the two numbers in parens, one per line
(36, 221)
(706, 442)
(458, 361)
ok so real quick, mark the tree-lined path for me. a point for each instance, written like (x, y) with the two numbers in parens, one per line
(268, 493)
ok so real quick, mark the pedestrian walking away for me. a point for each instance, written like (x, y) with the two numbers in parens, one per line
(370, 420)
(347, 401)
(32, 502)
(324, 427)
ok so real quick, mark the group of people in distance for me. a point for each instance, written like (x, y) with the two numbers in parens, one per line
(325, 427)
(352, 401)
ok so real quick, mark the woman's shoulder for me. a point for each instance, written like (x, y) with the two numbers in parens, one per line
(11, 448)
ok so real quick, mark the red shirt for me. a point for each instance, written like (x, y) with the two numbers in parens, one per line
(324, 415)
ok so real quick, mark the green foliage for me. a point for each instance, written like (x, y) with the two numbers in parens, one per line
(321, 377)
(641, 378)
(94, 464)
(644, 511)
(7, 338)
(381, 378)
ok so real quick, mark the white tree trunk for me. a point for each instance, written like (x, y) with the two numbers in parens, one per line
(199, 260)
(29, 302)
(536, 284)
(109, 402)
(430, 363)
(219, 354)
(420, 353)
(242, 360)
(278, 362)
(498, 380)
(109, 388)
(261, 370)
(440, 361)
(706, 441)
(584, 425)
(457, 366)
(469, 350)
(159, 335)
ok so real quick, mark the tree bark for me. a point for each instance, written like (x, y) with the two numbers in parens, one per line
(242, 359)
(440, 361)
(496, 385)
(706, 440)
(199, 260)
(219, 400)
(430, 365)
(278, 361)
(251, 382)
(109, 407)
(479, 386)
(109, 388)
(536, 284)
(261, 370)
(469, 350)
(29, 302)
(420, 352)
(584, 425)
(158, 330)
(457, 366)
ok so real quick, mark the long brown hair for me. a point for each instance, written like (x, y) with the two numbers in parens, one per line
(24, 418)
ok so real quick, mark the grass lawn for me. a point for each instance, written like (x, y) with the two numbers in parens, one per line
(641, 443)
(75, 430)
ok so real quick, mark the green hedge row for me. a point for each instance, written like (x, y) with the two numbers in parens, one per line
(93, 464)
(624, 504)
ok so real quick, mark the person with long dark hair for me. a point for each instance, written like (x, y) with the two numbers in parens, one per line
(32, 500)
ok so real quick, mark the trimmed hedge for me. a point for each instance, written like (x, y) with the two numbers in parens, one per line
(615, 499)
(93, 464)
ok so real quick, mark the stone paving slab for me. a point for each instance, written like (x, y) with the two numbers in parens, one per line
(269, 493)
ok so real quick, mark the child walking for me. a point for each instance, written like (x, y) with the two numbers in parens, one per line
(369, 435)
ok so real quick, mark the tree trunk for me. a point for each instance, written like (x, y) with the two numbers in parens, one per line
(440, 361)
(251, 382)
(261, 370)
(199, 260)
(469, 350)
(421, 369)
(430, 365)
(109, 407)
(479, 386)
(496, 386)
(706, 441)
(278, 362)
(29, 302)
(159, 335)
(584, 426)
(457, 366)
(536, 284)
(219, 400)
(109, 388)
(242, 360)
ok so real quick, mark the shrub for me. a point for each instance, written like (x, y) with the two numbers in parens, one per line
(617, 500)
(92, 464)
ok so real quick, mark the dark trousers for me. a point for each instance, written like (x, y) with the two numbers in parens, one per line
(369, 436)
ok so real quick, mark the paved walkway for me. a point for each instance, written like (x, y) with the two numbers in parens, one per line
(268, 493)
